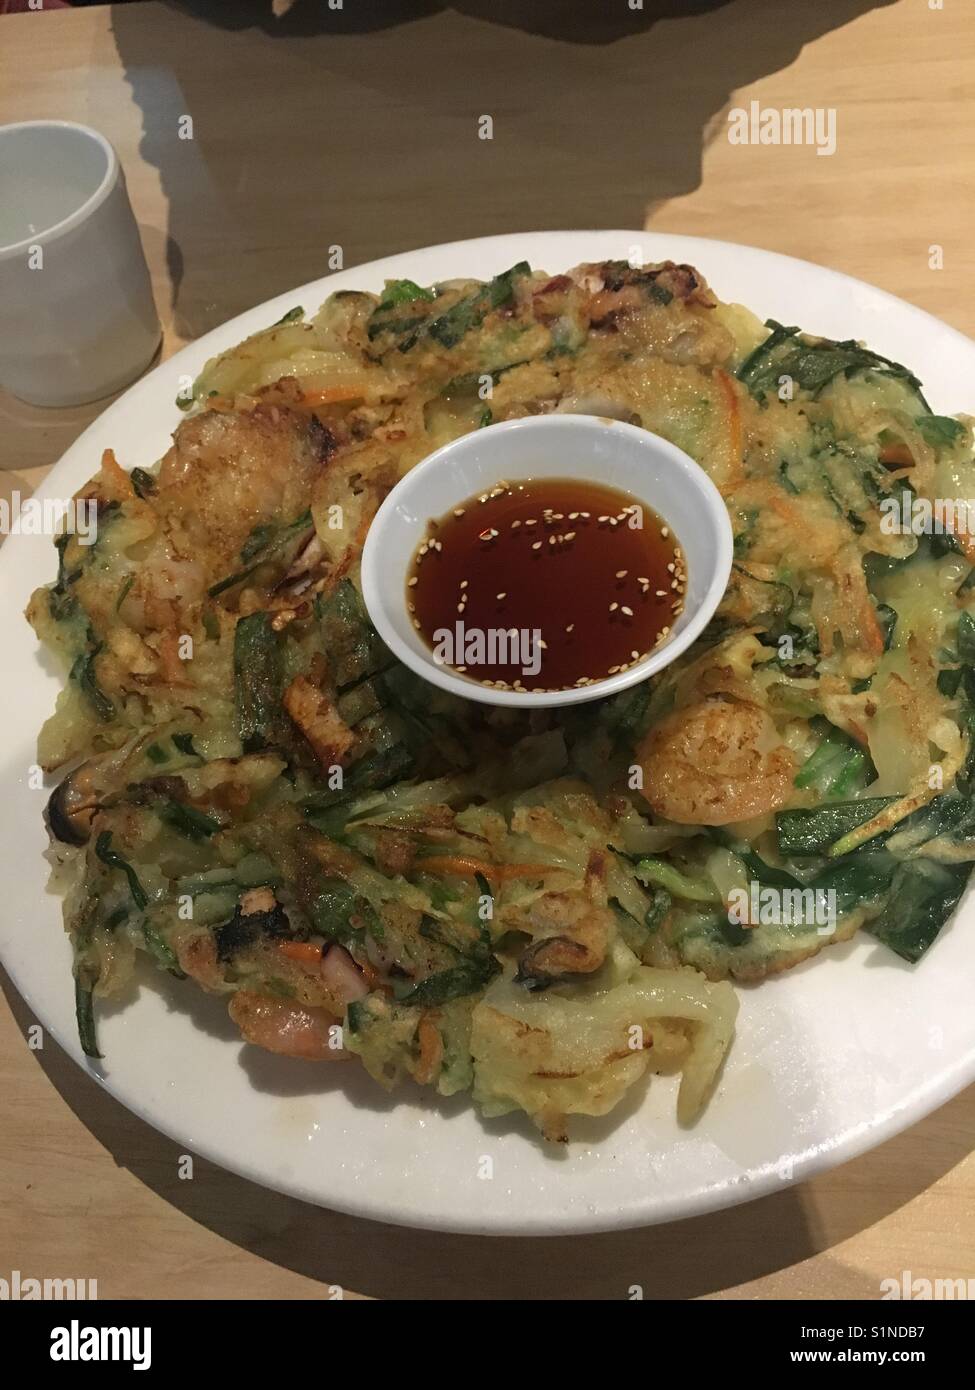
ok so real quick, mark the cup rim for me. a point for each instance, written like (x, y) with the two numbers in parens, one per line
(446, 679)
(91, 203)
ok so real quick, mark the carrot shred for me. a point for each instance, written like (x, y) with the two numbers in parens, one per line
(305, 952)
(465, 867)
(431, 1050)
(897, 456)
(736, 431)
(330, 395)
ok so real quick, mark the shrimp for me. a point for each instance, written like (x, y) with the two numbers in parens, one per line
(319, 720)
(572, 931)
(282, 1026)
(230, 471)
(715, 762)
(197, 956)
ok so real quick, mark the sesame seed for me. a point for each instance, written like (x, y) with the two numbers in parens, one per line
(602, 518)
(642, 579)
(621, 574)
(552, 540)
(573, 516)
(458, 511)
(671, 568)
(587, 515)
(635, 656)
(537, 545)
(570, 536)
(570, 627)
(515, 525)
(543, 644)
(627, 611)
(464, 583)
(665, 531)
(461, 668)
(532, 521)
(612, 671)
(660, 593)
(413, 582)
(613, 607)
(501, 596)
(416, 622)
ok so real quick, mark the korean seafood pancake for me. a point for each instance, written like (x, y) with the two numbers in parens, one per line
(538, 908)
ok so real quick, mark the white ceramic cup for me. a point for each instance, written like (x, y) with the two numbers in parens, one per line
(77, 317)
(652, 470)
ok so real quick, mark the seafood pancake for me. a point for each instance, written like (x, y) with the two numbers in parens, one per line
(538, 907)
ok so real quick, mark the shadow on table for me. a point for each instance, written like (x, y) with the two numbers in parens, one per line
(679, 1260)
(358, 127)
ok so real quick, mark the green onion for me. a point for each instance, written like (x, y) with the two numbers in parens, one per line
(84, 1010)
(814, 831)
(196, 825)
(113, 860)
(258, 678)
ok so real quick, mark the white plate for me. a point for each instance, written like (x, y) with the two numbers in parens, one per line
(828, 1060)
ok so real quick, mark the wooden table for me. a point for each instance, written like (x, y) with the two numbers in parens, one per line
(334, 129)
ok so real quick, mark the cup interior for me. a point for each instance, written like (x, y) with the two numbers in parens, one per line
(648, 468)
(48, 172)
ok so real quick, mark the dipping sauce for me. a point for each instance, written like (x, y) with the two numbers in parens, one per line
(546, 584)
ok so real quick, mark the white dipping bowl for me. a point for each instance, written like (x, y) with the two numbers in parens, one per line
(652, 470)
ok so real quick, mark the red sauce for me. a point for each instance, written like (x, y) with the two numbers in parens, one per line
(546, 584)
